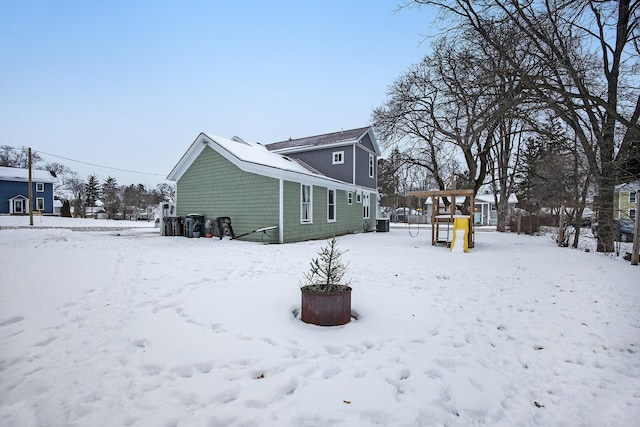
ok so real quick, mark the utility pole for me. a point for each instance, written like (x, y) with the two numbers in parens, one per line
(30, 189)
(636, 235)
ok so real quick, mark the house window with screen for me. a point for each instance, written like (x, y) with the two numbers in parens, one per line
(338, 157)
(349, 197)
(358, 197)
(632, 197)
(306, 208)
(39, 187)
(632, 214)
(371, 163)
(365, 206)
(39, 203)
(331, 205)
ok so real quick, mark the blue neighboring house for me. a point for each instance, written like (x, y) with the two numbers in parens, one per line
(14, 191)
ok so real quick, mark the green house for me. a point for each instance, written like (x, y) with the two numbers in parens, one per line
(624, 200)
(258, 188)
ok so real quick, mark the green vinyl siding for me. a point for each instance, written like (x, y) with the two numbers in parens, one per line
(213, 186)
(348, 217)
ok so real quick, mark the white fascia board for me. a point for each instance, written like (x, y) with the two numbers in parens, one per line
(187, 158)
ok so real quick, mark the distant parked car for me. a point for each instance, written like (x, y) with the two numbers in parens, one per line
(623, 229)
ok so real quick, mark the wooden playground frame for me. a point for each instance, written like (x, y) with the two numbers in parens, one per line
(444, 215)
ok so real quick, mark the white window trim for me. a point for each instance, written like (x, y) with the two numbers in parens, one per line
(358, 197)
(371, 164)
(366, 206)
(39, 187)
(350, 197)
(310, 210)
(329, 191)
(632, 197)
(39, 201)
(338, 157)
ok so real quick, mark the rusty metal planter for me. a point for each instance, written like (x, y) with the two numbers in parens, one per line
(323, 309)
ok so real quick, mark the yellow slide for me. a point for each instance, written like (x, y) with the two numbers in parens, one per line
(460, 231)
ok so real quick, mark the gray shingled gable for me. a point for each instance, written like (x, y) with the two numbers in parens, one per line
(319, 140)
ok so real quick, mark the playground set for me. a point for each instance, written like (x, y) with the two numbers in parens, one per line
(448, 225)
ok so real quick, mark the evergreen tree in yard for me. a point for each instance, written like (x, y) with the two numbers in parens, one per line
(110, 196)
(66, 209)
(91, 191)
(326, 272)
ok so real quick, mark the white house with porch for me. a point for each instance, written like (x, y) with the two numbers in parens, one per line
(484, 209)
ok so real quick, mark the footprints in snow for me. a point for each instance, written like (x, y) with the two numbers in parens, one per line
(8, 324)
(11, 321)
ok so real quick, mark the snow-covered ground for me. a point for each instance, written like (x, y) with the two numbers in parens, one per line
(123, 327)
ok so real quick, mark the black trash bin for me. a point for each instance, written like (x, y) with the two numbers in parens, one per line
(177, 223)
(167, 226)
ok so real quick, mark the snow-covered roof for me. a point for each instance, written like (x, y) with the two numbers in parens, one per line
(629, 186)
(22, 175)
(252, 157)
(489, 198)
(254, 152)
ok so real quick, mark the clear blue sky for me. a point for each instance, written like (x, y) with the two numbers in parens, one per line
(130, 84)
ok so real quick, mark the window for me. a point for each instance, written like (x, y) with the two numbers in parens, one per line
(338, 157)
(39, 187)
(632, 214)
(632, 197)
(349, 197)
(306, 208)
(365, 206)
(40, 204)
(371, 163)
(331, 205)
(358, 197)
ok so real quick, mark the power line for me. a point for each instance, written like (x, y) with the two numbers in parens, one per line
(100, 166)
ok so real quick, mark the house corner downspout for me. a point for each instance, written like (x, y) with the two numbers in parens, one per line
(281, 212)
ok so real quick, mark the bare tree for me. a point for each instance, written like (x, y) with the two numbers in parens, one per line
(62, 172)
(458, 103)
(167, 192)
(554, 174)
(404, 124)
(590, 49)
(504, 160)
(76, 185)
(17, 157)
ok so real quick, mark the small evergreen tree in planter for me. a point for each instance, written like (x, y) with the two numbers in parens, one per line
(326, 299)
